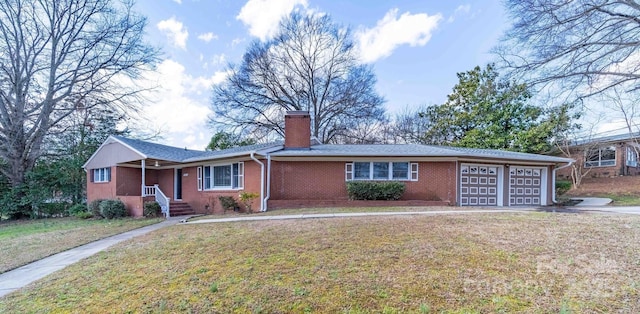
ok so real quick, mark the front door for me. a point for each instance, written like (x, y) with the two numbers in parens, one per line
(178, 184)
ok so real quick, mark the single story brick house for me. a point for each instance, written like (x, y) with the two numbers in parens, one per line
(606, 156)
(299, 173)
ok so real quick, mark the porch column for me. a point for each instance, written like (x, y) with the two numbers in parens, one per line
(143, 177)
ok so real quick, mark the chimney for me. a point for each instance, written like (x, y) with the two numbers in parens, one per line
(297, 130)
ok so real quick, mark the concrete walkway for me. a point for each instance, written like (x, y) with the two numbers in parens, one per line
(592, 201)
(22, 276)
(337, 215)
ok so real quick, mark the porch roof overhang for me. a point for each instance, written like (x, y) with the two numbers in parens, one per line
(127, 152)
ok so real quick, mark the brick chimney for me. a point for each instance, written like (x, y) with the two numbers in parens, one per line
(297, 130)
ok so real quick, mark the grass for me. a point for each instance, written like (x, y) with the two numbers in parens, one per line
(623, 199)
(516, 262)
(333, 210)
(25, 241)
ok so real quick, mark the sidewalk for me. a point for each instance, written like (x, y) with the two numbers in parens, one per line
(337, 215)
(22, 276)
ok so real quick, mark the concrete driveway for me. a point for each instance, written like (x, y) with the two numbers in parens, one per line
(602, 205)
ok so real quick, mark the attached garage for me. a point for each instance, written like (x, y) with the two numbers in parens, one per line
(498, 185)
(480, 185)
(526, 186)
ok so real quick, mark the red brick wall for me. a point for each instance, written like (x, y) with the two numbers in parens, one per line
(164, 179)
(129, 181)
(297, 128)
(122, 182)
(200, 199)
(325, 180)
(101, 190)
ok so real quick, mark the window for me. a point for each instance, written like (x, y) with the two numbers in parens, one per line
(229, 176)
(632, 157)
(361, 170)
(601, 157)
(102, 175)
(381, 171)
(400, 170)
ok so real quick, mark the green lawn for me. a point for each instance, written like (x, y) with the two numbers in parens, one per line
(482, 263)
(25, 241)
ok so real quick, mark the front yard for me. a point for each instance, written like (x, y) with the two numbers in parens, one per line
(481, 263)
(22, 242)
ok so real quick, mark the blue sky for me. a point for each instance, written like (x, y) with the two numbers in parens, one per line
(415, 47)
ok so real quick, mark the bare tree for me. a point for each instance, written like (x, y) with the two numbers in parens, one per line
(578, 48)
(309, 65)
(57, 57)
(409, 127)
(577, 144)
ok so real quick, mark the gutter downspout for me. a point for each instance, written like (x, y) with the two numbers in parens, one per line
(553, 181)
(266, 199)
(261, 179)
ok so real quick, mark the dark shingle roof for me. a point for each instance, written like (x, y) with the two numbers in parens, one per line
(176, 154)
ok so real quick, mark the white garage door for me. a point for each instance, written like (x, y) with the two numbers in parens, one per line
(525, 185)
(479, 185)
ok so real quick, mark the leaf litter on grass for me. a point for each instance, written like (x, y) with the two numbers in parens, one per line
(402, 264)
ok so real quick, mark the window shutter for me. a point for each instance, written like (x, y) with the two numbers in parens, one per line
(414, 171)
(240, 175)
(92, 175)
(348, 171)
(108, 174)
(199, 175)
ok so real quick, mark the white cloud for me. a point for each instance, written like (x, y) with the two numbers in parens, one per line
(390, 32)
(263, 16)
(178, 1)
(207, 37)
(214, 61)
(236, 41)
(175, 32)
(463, 9)
(179, 106)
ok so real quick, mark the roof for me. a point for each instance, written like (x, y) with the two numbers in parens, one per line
(148, 150)
(611, 138)
(158, 151)
(176, 154)
(413, 150)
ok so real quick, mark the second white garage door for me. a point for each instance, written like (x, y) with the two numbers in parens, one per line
(525, 186)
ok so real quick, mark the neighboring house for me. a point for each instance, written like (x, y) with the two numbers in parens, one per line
(608, 156)
(300, 173)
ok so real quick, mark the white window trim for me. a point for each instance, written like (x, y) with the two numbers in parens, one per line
(97, 177)
(632, 157)
(222, 188)
(412, 171)
(598, 163)
(199, 175)
(240, 176)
